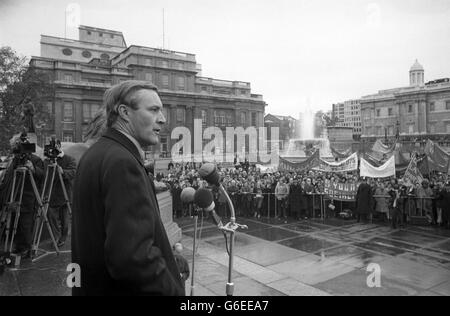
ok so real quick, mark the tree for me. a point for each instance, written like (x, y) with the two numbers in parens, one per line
(18, 82)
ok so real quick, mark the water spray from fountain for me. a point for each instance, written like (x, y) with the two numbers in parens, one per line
(306, 139)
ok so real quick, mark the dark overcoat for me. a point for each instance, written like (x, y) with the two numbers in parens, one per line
(364, 199)
(118, 238)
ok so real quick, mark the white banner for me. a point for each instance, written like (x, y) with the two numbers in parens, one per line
(346, 165)
(383, 171)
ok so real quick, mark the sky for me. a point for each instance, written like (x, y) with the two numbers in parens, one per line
(299, 54)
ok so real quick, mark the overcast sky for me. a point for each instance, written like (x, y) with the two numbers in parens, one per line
(295, 53)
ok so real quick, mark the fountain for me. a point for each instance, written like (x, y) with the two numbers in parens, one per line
(306, 143)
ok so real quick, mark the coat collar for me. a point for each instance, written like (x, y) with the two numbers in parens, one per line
(117, 136)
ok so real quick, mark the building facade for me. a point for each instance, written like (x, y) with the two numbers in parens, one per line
(83, 69)
(348, 114)
(416, 113)
(287, 128)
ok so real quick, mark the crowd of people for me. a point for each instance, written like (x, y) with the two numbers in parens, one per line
(300, 194)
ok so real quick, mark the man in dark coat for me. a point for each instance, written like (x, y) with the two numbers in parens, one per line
(58, 212)
(445, 203)
(118, 238)
(177, 204)
(364, 200)
(295, 193)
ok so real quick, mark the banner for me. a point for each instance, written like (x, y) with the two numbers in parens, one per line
(438, 159)
(383, 171)
(378, 146)
(309, 163)
(340, 191)
(349, 164)
(341, 154)
(412, 174)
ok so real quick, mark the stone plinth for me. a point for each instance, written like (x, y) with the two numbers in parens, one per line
(165, 207)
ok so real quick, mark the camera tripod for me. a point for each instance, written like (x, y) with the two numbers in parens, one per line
(16, 190)
(52, 171)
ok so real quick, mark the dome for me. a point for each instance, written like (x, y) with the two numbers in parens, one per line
(416, 67)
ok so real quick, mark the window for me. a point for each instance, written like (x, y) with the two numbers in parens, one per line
(433, 128)
(100, 34)
(89, 32)
(219, 118)
(181, 83)
(432, 107)
(68, 112)
(204, 89)
(86, 54)
(68, 77)
(165, 111)
(148, 76)
(229, 118)
(410, 128)
(179, 65)
(180, 115)
(164, 63)
(67, 136)
(378, 112)
(378, 130)
(204, 118)
(104, 56)
(391, 130)
(164, 145)
(390, 112)
(243, 119)
(165, 81)
(447, 105)
(448, 127)
(89, 111)
(67, 51)
(49, 107)
(148, 62)
(112, 35)
(244, 92)
(254, 119)
(410, 108)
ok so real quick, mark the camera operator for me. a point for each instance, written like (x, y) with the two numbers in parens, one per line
(29, 204)
(58, 212)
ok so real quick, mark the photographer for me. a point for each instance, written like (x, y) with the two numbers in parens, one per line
(58, 212)
(29, 204)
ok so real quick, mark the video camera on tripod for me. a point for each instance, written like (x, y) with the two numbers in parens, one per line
(23, 148)
(52, 150)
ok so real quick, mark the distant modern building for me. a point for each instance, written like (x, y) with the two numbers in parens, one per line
(287, 127)
(417, 112)
(340, 135)
(348, 114)
(83, 69)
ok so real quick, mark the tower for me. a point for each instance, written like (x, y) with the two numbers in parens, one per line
(416, 75)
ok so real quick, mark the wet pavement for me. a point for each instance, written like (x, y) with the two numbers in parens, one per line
(274, 257)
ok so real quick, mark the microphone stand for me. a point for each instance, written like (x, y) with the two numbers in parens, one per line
(230, 228)
(193, 248)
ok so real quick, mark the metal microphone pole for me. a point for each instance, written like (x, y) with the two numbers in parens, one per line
(230, 228)
(193, 249)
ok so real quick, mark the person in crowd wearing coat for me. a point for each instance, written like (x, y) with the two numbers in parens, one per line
(364, 200)
(295, 192)
(381, 198)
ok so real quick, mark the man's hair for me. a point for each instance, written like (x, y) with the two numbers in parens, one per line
(123, 93)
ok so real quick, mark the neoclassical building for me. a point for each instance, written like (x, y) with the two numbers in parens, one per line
(83, 69)
(416, 112)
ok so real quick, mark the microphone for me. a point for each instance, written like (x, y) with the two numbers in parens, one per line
(204, 199)
(208, 172)
(187, 195)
